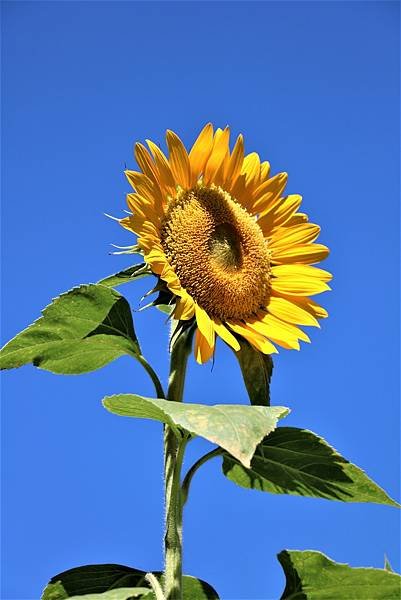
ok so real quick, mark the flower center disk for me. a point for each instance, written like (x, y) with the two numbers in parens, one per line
(218, 252)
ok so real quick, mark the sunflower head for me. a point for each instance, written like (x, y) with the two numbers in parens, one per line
(232, 250)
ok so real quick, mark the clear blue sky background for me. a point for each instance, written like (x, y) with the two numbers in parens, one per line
(314, 88)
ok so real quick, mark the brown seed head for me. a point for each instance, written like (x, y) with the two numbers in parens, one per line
(218, 252)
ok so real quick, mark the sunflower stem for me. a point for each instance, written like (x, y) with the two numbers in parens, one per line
(174, 449)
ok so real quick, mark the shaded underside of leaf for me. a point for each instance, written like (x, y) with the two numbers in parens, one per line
(126, 275)
(311, 575)
(238, 429)
(80, 331)
(298, 462)
(100, 582)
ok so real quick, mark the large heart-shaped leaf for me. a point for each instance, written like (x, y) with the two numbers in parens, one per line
(313, 576)
(256, 369)
(126, 275)
(80, 331)
(99, 582)
(297, 461)
(238, 429)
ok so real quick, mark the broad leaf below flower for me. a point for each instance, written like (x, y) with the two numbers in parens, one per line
(80, 331)
(311, 575)
(116, 582)
(238, 429)
(298, 462)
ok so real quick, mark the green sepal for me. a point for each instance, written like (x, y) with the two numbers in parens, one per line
(102, 581)
(238, 429)
(298, 462)
(80, 331)
(311, 575)
(256, 369)
(127, 275)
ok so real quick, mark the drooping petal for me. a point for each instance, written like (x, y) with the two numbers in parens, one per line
(203, 350)
(225, 334)
(205, 324)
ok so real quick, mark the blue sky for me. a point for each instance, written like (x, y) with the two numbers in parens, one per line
(314, 87)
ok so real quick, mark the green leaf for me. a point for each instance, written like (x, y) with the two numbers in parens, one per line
(98, 582)
(298, 462)
(256, 370)
(237, 429)
(82, 330)
(313, 576)
(126, 275)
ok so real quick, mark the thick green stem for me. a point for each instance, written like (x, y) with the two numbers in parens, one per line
(173, 456)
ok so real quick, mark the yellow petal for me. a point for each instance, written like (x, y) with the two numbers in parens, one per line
(205, 324)
(282, 212)
(202, 349)
(143, 185)
(156, 259)
(298, 286)
(291, 329)
(290, 312)
(185, 308)
(309, 305)
(225, 335)
(264, 170)
(145, 162)
(291, 236)
(255, 339)
(302, 253)
(295, 270)
(179, 160)
(251, 168)
(218, 154)
(296, 219)
(235, 163)
(143, 207)
(267, 192)
(276, 331)
(200, 152)
(164, 169)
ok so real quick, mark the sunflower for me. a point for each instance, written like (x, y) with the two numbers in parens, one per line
(232, 250)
